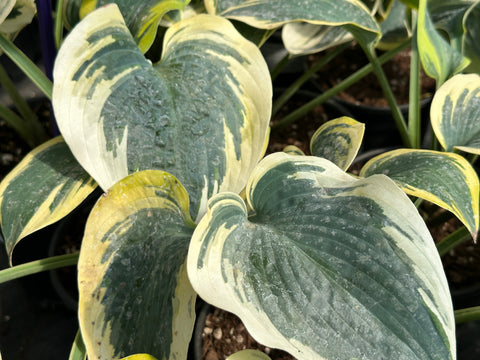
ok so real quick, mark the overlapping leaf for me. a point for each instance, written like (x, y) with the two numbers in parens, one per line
(455, 113)
(44, 187)
(352, 15)
(14, 15)
(201, 113)
(135, 296)
(472, 34)
(139, 357)
(302, 38)
(338, 140)
(141, 17)
(446, 179)
(328, 267)
(439, 59)
(460, 20)
(394, 28)
(449, 16)
(5, 8)
(249, 355)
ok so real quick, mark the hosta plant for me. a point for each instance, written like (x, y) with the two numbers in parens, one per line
(314, 260)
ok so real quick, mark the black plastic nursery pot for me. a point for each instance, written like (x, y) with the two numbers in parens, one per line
(380, 128)
(34, 321)
(365, 101)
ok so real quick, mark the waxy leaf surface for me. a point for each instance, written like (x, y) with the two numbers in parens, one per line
(353, 15)
(327, 267)
(338, 140)
(446, 179)
(201, 113)
(455, 113)
(43, 188)
(440, 60)
(141, 17)
(302, 38)
(135, 296)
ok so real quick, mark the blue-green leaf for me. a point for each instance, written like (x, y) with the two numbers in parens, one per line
(352, 15)
(338, 140)
(439, 59)
(455, 111)
(135, 296)
(15, 15)
(141, 17)
(43, 188)
(201, 113)
(445, 179)
(327, 266)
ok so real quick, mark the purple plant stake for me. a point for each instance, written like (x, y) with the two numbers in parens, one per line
(47, 41)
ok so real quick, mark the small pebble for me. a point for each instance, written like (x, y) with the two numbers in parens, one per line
(217, 333)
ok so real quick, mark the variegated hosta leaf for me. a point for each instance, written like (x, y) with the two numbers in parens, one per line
(193, 8)
(448, 16)
(439, 59)
(6, 7)
(394, 28)
(461, 22)
(338, 140)
(455, 113)
(71, 11)
(20, 15)
(328, 267)
(249, 355)
(139, 357)
(135, 296)
(380, 8)
(353, 15)
(302, 38)
(201, 113)
(293, 150)
(141, 17)
(471, 43)
(446, 179)
(44, 187)
(253, 34)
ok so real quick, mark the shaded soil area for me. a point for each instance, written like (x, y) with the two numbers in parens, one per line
(224, 334)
